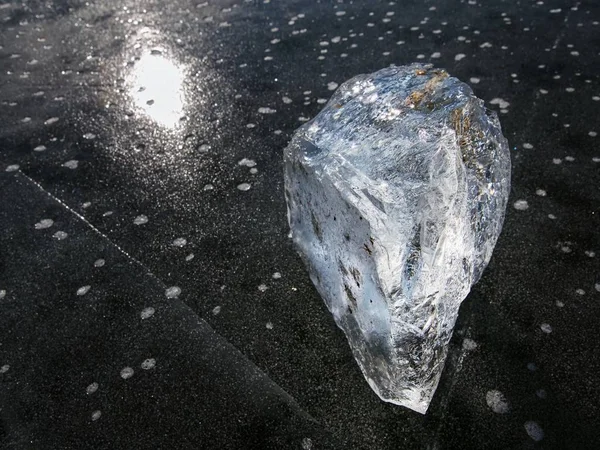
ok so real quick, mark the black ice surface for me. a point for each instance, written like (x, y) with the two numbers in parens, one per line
(122, 109)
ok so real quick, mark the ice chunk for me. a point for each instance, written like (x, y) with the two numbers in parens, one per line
(396, 195)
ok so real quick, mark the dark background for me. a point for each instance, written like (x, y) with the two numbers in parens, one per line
(268, 368)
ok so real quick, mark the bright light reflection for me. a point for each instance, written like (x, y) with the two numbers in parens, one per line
(156, 85)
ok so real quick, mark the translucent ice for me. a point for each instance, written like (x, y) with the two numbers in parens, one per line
(396, 195)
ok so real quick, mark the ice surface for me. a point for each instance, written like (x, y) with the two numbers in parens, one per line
(396, 195)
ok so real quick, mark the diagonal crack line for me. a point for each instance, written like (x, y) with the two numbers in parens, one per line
(286, 395)
(96, 230)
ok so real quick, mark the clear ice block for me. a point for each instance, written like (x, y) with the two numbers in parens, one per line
(396, 193)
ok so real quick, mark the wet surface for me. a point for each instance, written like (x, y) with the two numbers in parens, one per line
(163, 125)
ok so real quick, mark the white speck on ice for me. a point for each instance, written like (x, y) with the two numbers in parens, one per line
(266, 110)
(44, 223)
(147, 312)
(173, 292)
(99, 262)
(60, 235)
(521, 205)
(503, 104)
(127, 372)
(534, 431)
(497, 402)
(148, 364)
(469, 344)
(247, 162)
(83, 290)
(71, 164)
(180, 242)
(140, 220)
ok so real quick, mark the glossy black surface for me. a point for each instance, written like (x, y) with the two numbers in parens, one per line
(157, 103)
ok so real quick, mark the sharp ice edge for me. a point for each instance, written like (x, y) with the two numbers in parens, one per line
(396, 195)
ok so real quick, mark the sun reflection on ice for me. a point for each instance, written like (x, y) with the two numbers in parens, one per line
(156, 85)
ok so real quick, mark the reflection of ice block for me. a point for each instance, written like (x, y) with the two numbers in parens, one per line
(396, 194)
